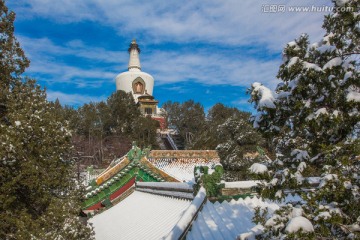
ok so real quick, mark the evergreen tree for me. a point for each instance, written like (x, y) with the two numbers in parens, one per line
(13, 61)
(311, 118)
(89, 119)
(144, 132)
(37, 191)
(123, 112)
(238, 142)
(210, 138)
(188, 118)
(38, 196)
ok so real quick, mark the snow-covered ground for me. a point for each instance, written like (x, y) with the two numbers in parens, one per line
(139, 216)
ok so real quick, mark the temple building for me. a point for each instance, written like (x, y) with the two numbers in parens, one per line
(141, 85)
(155, 195)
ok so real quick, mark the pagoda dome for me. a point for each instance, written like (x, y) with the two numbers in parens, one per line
(134, 80)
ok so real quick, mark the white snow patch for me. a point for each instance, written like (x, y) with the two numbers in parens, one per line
(308, 65)
(266, 96)
(258, 229)
(296, 212)
(292, 61)
(242, 184)
(322, 215)
(333, 63)
(321, 111)
(292, 43)
(297, 223)
(326, 178)
(353, 96)
(300, 154)
(347, 185)
(279, 194)
(301, 166)
(258, 168)
(347, 75)
(307, 103)
(326, 48)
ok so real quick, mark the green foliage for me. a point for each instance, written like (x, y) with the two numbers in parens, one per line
(13, 61)
(188, 118)
(260, 215)
(118, 116)
(37, 188)
(144, 131)
(211, 182)
(225, 129)
(210, 137)
(39, 197)
(313, 122)
(237, 140)
(123, 112)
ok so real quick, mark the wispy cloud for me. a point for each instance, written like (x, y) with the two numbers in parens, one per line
(166, 66)
(227, 22)
(210, 68)
(47, 63)
(36, 47)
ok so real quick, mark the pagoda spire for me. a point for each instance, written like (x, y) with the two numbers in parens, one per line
(134, 61)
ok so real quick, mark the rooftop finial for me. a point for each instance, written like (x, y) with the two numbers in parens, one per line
(134, 45)
(134, 61)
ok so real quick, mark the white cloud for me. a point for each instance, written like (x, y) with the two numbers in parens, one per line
(36, 47)
(210, 68)
(47, 63)
(231, 22)
(165, 65)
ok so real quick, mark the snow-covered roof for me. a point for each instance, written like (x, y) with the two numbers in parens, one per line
(181, 186)
(186, 195)
(182, 168)
(227, 220)
(139, 216)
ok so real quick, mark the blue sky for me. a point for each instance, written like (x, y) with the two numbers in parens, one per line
(210, 51)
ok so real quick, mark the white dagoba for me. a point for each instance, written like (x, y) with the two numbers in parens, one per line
(134, 80)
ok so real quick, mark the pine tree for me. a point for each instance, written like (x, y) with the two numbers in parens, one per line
(39, 198)
(311, 118)
(188, 118)
(37, 190)
(123, 112)
(13, 61)
(210, 138)
(237, 139)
